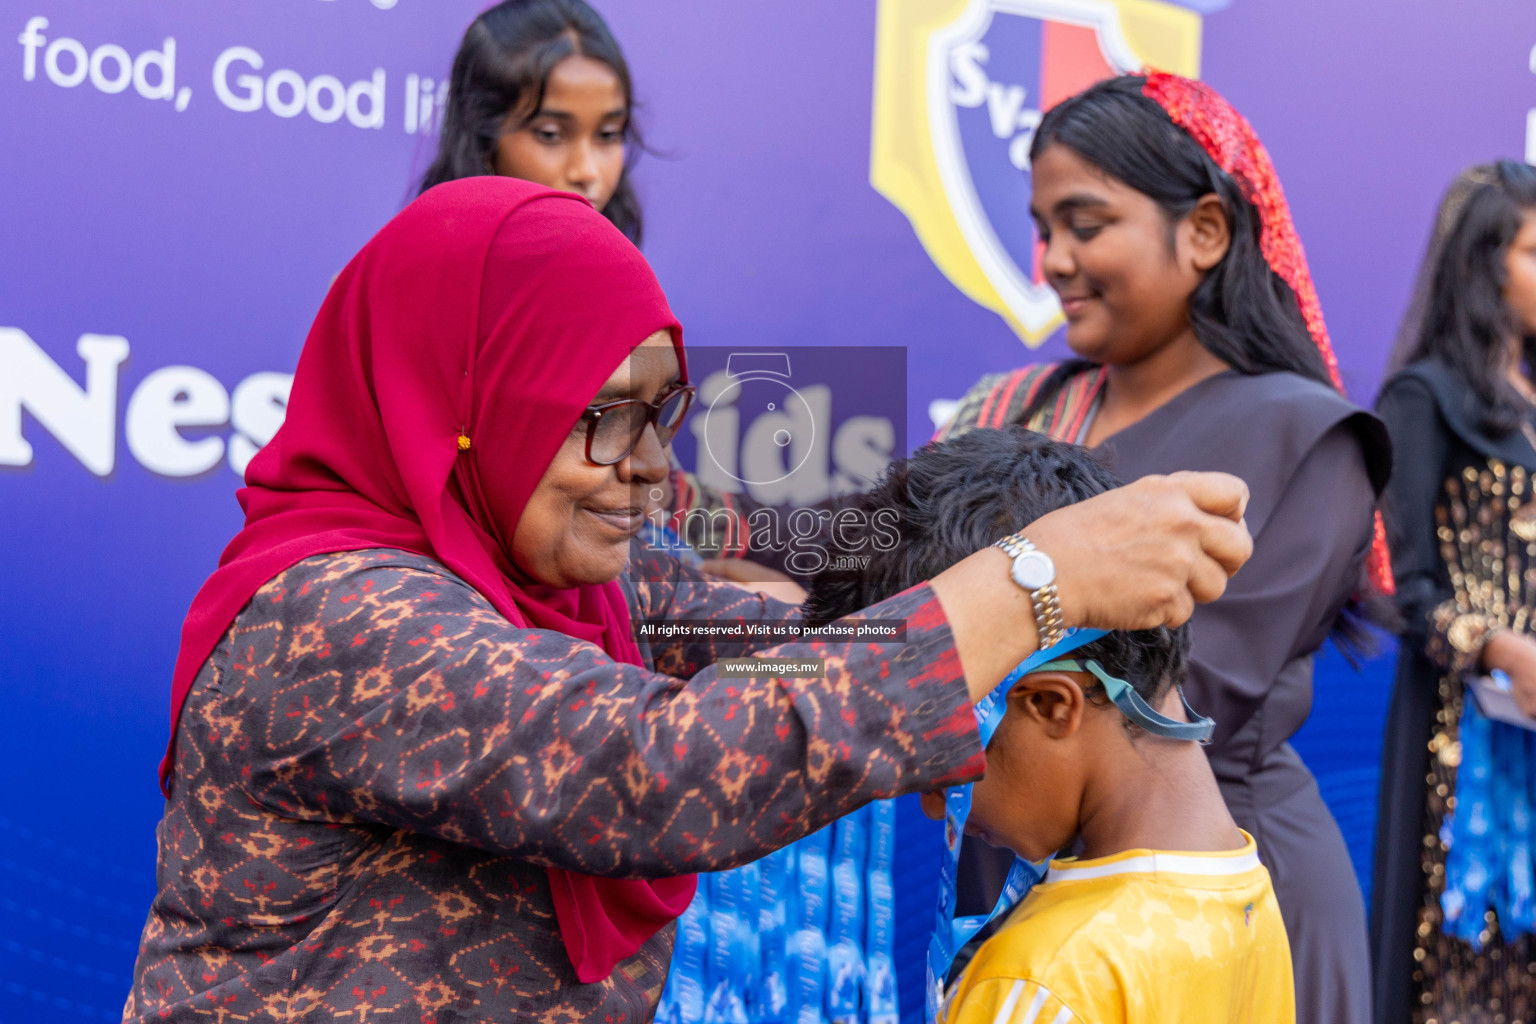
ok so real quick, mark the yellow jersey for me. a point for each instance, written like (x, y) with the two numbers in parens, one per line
(1143, 937)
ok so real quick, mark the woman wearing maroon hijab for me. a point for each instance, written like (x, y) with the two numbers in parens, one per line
(421, 768)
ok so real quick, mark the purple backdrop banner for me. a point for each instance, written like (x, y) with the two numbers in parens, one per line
(180, 181)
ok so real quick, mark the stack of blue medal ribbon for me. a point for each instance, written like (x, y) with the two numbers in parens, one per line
(804, 936)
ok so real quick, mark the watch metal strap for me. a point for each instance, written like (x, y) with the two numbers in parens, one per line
(1015, 545)
(1045, 601)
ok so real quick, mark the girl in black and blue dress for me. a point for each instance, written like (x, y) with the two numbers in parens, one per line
(1453, 910)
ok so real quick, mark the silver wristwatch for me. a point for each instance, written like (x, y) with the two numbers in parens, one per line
(1035, 572)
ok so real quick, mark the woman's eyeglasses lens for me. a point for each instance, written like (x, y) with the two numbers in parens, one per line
(672, 412)
(619, 427)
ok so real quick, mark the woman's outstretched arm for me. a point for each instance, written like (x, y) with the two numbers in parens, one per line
(369, 687)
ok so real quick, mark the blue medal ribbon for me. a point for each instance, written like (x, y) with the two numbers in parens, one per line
(951, 933)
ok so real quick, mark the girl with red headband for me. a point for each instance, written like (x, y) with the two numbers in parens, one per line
(1187, 297)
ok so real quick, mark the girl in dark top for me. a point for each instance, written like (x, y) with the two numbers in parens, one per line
(1202, 346)
(1462, 525)
(540, 91)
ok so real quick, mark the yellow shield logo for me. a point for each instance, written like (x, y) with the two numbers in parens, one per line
(960, 86)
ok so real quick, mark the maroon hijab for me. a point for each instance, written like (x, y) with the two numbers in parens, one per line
(460, 344)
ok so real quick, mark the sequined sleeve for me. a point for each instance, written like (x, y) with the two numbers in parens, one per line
(375, 687)
(1493, 582)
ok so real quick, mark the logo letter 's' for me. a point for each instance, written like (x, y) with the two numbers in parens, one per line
(969, 88)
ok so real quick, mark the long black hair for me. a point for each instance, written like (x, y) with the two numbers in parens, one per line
(1465, 321)
(503, 65)
(1241, 312)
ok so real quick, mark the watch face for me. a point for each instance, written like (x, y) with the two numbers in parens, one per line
(1033, 570)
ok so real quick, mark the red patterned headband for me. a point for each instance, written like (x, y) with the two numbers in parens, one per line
(1230, 141)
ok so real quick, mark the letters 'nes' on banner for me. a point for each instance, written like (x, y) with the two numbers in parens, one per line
(219, 83)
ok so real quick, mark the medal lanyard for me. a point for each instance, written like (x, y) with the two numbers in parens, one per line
(951, 933)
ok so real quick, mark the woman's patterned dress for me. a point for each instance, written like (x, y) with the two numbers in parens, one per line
(374, 768)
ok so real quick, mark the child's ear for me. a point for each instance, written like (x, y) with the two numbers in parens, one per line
(1053, 701)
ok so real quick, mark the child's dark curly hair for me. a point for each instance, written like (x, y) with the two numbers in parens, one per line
(958, 496)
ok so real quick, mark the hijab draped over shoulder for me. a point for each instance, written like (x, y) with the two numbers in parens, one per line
(447, 366)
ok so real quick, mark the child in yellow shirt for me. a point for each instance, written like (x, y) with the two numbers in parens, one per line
(1167, 915)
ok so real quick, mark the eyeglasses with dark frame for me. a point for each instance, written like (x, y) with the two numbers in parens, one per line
(614, 429)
